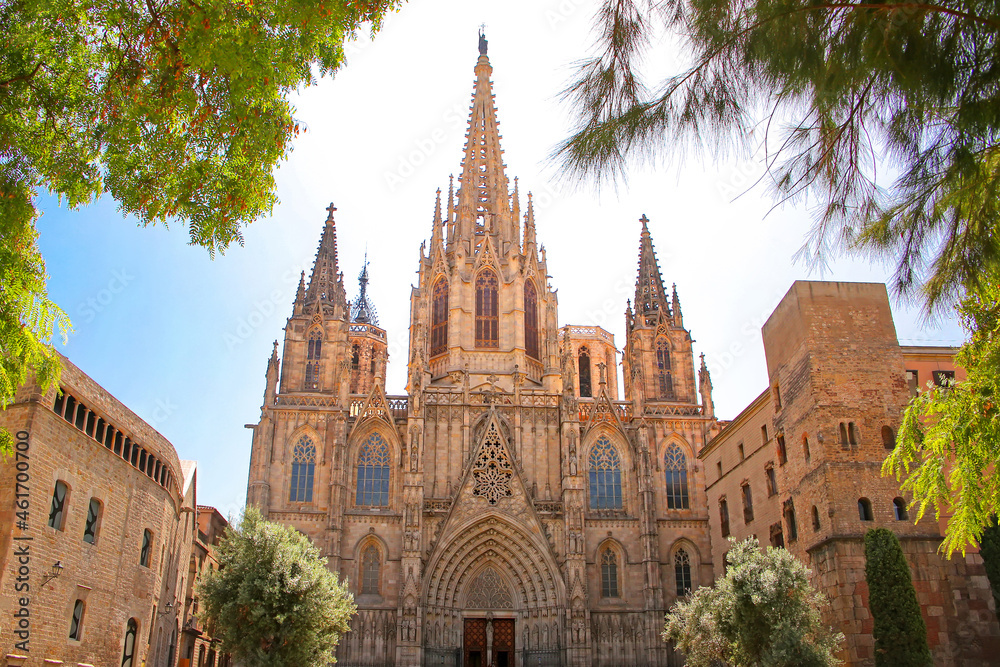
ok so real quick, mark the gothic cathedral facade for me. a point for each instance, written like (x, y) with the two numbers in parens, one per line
(509, 509)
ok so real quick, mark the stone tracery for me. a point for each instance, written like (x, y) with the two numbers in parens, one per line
(492, 469)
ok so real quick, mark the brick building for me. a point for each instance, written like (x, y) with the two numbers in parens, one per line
(197, 646)
(800, 467)
(99, 492)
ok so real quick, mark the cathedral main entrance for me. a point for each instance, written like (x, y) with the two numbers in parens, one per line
(488, 642)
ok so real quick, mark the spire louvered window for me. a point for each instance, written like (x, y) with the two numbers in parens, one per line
(531, 320)
(439, 317)
(487, 310)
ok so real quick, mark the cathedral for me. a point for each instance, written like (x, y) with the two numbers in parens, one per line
(509, 509)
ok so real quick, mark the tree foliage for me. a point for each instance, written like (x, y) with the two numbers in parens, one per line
(177, 109)
(948, 444)
(899, 629)
(762, 613)
(273, 602)
(829, 92)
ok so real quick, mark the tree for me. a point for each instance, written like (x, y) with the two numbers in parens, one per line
(762, 612)
(273, 602)
(948, 443)
(829, 92)
(178, 109)
(899, 629)
(990, 551)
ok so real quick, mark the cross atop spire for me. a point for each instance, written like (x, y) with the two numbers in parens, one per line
(650, 297)
(363, 310)
(325, 282)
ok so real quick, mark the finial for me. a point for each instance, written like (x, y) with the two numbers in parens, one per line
(644, 220)
(482, 39)
(330, 209)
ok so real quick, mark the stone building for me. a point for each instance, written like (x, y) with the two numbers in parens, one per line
(198, 648)
(96, 519)
(509, 509)
(800, 467)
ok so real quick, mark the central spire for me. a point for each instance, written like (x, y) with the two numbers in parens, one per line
(650, 297)
(483, 197)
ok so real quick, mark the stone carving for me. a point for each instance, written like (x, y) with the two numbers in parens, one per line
(488, 591)
(492, 470)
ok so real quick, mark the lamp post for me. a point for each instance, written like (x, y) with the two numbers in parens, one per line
(56, 570)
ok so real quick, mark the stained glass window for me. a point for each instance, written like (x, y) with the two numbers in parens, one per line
(609, 574)
(371, 563)
(487, 310)
(439, 317)
(531, 320)
(605, 476)
(675, 464)
(373, 472)
(682, 572)
(312, 375)
(303, 469)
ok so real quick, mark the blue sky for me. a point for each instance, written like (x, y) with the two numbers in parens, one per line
(183, 340)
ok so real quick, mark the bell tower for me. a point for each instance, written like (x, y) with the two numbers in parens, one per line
(483, 305)
(658, 363)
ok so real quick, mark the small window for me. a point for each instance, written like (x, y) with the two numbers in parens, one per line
(724, 516)
(584, 363)
(76, 623)
(747, 503)
(782, 452)
(888, 438)
(776, 392)
(777, 536)
(899, 509)
(843, 435)
(805, 447)
(147, 548)
(682, 572)
(912, 383)
(865, 510)
(128, 648)
(57, 513)
(355, 357)
(763, 434)
(740, 448)
(788, 510)
(609, 574)
(93, 520)
(718, 468)
(772, 481)
(852, 434)
(815, 515)
(943, 378)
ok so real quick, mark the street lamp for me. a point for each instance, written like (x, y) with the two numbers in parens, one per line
(57, 569)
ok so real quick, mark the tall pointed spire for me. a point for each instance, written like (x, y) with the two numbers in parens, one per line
(437, 242)
(325, 283)
(363, 310)
(650, 297)
(515, 214)
(450, 213)
(484, 198)
(529, 228)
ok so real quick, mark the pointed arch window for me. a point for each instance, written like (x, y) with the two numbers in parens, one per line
(439, 317)
(584, 360)
(371, 565)
(605, 476)
(609, 573)
(312, 375)
(303, 469)
(675, 464)
(373, 472)
(665, 380)
(355, 357)
(682, 572)
(531, 346)
(314, 349)
(487, 310)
